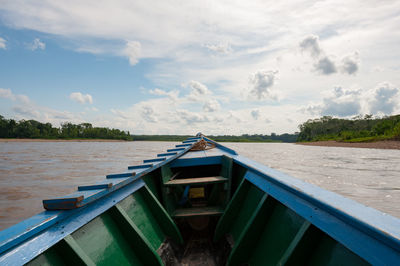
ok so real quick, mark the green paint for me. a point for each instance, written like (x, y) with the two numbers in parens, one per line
(59, 254)
(164, 220)
(239, 210)
(330, 252)
(103, 241)
(137, 209)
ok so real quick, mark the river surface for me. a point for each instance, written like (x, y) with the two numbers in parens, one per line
(32, 171)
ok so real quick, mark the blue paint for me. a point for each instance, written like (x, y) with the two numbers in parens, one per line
(65, 203)
(222, 147)
(62, 223)
(185, 196)
(166, 154)
(197, 161)
(177, 149)
(140, 166)
(183, 145)
(154, 160)
(95, 187)
(120, 175)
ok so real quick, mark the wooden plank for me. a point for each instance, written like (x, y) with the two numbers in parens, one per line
(121, 175)
(132, 167)
(166, 154)
(154, 160)
(198, 211)
(196, 181)
(183, 145)
(94, 187)
(62, 203)
(177, 149)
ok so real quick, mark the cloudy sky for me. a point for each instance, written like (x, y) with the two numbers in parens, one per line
(179, 67)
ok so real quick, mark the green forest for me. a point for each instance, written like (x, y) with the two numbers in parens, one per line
(9, 128)
(358, 129)
(226, 138)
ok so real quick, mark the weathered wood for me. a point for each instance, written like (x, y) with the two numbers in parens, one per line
(140, 166)
(198, 211)
(196, 181)
(154, 160)
(121, 175)
(93, 187)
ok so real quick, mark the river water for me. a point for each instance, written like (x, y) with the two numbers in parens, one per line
(32, 171)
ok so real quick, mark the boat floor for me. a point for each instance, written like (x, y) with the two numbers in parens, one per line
(199, 248)
(199, 251)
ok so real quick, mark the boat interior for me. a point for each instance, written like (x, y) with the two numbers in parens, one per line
(200, 211)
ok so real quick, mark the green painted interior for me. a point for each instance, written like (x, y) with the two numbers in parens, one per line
(330, 252)
(263, 230)
(60, 254)
(138, 210)
(239, 210)
(153, 182)
(103, 241)
(272, 234)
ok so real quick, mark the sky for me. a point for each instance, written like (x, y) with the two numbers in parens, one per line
(182, 67)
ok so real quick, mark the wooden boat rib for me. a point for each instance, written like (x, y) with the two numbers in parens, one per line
(202, 207)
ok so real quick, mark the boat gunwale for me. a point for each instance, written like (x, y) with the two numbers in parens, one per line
(380, 226)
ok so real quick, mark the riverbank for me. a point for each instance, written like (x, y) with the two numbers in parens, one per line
(384, 144)
(62, 140)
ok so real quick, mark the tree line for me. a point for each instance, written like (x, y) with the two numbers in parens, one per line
(225, 138)
(356, 129)
(10, 128)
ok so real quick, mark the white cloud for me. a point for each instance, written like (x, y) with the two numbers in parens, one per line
(211, 106)
(132, 51)
(148, 114)
(37, 44)
(221, 48)
(310, 44)
(385, 99)
(8, 94)
(198, 88)
(259, 32)
(325, 66)
(2, 43)
(350, 64)
(27, 111)
(261, 83)
(81, 98)
(255, 113)
(192, 117)
(173, 95)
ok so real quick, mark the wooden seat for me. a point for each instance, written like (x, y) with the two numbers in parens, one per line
(196, 181)
(198, 211)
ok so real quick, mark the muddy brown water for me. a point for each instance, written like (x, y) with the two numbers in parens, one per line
(32, 171)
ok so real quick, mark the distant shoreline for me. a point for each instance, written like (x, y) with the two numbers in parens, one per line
(384, 144)
(62, 140)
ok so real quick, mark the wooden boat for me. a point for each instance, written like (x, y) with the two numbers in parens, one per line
(200, 203)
